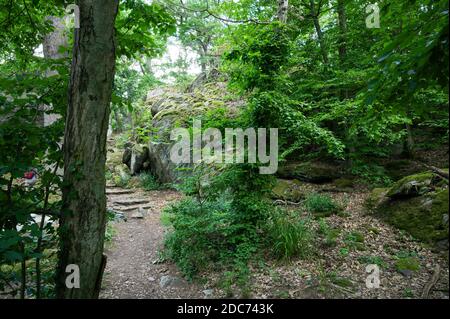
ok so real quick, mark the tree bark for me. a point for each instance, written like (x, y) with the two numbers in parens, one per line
(315, 18)
(83, 216)
(342, 23)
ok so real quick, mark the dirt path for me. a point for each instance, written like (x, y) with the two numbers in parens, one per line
(133, 270)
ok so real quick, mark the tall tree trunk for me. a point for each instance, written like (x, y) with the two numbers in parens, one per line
(82, 225)
(315, 13)
(283, 6)
(342, 22)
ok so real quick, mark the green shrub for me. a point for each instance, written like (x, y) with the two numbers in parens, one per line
(218, 224)
(321, 205)
(204, 234)
(149, 182)
(290, 235)
(110, 230)
(122, 180)
(370, 173)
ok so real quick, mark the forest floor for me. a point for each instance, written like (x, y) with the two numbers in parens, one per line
(135, 270)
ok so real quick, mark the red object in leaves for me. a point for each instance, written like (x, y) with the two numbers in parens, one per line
(29, 175)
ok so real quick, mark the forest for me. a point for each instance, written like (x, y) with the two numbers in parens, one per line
(217, 149)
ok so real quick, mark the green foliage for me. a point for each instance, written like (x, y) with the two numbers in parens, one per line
(321, 205)
(354, 240)
(149, 182)
(330, 234)
(202, 235)
(110, 231)
(289, 235)
(121, 180)
(371, 173)
(142, 28)
(407, 263)
(373, 260)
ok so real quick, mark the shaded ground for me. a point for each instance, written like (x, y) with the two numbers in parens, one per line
(133, 269)
(340, 271)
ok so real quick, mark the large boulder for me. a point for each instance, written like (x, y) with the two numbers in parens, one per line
(418, 204)
(136, 158)
(171, 109)
(312, 171)
(139, 159)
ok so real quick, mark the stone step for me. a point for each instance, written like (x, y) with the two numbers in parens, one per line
(130, 208)
(128, 202)
(119, 191)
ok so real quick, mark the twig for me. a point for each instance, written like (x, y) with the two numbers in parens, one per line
(432, 282)
(286, 202)
(216, 16)
(334, 190)
(436, 170)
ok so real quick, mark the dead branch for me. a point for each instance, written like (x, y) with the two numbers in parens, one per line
(432, 282)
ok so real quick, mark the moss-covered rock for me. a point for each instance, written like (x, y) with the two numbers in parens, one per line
(423, 216)
(411, 186)
(171, 109)
(114, 158)
(344, 183)
(287, 190)
(313, 172)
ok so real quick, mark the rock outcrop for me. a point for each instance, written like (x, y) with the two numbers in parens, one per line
(312, 171)
(136, 158)
(418, 204)
(171, 109)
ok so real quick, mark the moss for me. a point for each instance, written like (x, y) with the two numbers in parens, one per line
(344, 183)
(376, 197)
(412, 185)
(287, 190)
(407, 263)
(422, 217)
